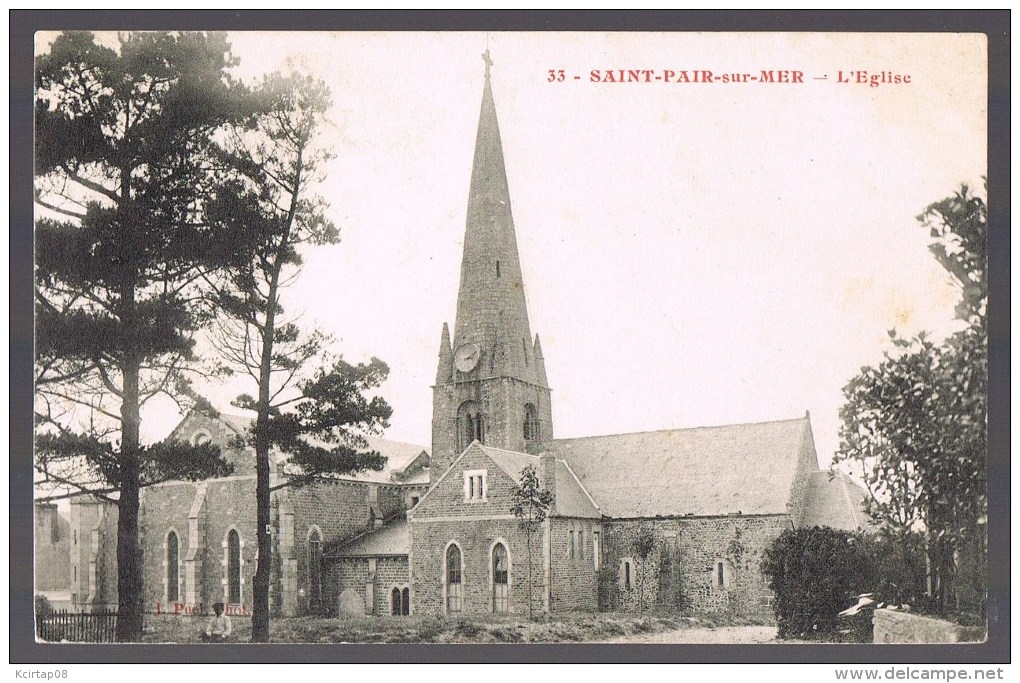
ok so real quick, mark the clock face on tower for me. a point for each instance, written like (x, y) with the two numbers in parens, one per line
(466, 357)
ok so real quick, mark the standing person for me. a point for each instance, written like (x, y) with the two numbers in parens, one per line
(219, 627)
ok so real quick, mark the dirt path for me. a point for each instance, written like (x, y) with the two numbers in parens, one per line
(723, 634)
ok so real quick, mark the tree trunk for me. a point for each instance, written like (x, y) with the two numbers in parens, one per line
(263, 497)
(528, 541)
(129, 553)
(262, 579)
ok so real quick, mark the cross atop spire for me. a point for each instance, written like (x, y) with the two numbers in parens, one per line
(488, 61)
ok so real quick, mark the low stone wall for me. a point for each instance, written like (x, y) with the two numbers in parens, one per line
(902, 627)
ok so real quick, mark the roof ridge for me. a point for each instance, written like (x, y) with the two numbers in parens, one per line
(238, 416)
(582, 487)
(504, 450)
(802, 418)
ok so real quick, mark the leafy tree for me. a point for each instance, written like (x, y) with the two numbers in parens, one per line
(125, 159)
(530, 506)
(642, 547)
(815, 574)
(916, 423)
(318, 419)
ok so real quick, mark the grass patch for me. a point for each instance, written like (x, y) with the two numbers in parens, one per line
(511, 628)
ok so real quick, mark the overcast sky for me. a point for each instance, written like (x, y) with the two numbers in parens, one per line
(693, 254)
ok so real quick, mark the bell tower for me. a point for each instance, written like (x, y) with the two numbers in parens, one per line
(491, 383)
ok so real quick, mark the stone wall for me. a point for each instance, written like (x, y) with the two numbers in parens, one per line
(574, 576)
(338, 511)
(52, 549)
(893, 626)
(502, 402)
(476, 540)
(195, 425)
(93, 554)
(373, 579)
(203, 513)
(681, 574)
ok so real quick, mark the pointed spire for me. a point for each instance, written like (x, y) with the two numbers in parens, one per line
(539, 363)
(491, 307)
(445, 371)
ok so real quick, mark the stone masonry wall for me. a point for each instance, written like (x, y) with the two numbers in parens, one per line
(502, 402)
(902, 627)
(447, 497)
(164, 508)
(93, 555)
(383, 574)
(476, 539)
(681, 573)
(52, 549)
(338, 511)
(574, 576)
(219, 433)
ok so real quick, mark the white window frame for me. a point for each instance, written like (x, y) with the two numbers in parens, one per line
(476, 486)
(509, 574)
(445, 578)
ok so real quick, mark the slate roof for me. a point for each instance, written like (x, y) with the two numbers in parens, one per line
(571, 498)
(399, 456)
(743, 468)
(835, 500)
(392, 539)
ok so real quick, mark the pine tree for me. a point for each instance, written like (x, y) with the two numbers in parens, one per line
(317, 418)
(126, 160)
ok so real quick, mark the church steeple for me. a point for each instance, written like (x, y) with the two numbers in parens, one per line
(491, 382)
(491, 307)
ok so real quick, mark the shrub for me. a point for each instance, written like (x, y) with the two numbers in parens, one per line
(43, 606)
(430, 629)
(815, 574)
(506, 634)
(468, 628)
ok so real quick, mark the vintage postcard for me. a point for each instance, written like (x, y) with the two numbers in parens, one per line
(511, 337)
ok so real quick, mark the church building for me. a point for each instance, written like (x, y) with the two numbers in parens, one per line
(672, 520)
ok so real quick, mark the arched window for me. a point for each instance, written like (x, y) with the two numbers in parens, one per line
(722, 574)
(314, 569)
(454, 578)
(531, 432)
(400, 602)
(500, 579)
(173, 574)
(625, 577)
(395, 602)
(233, 567)
(469, 425)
